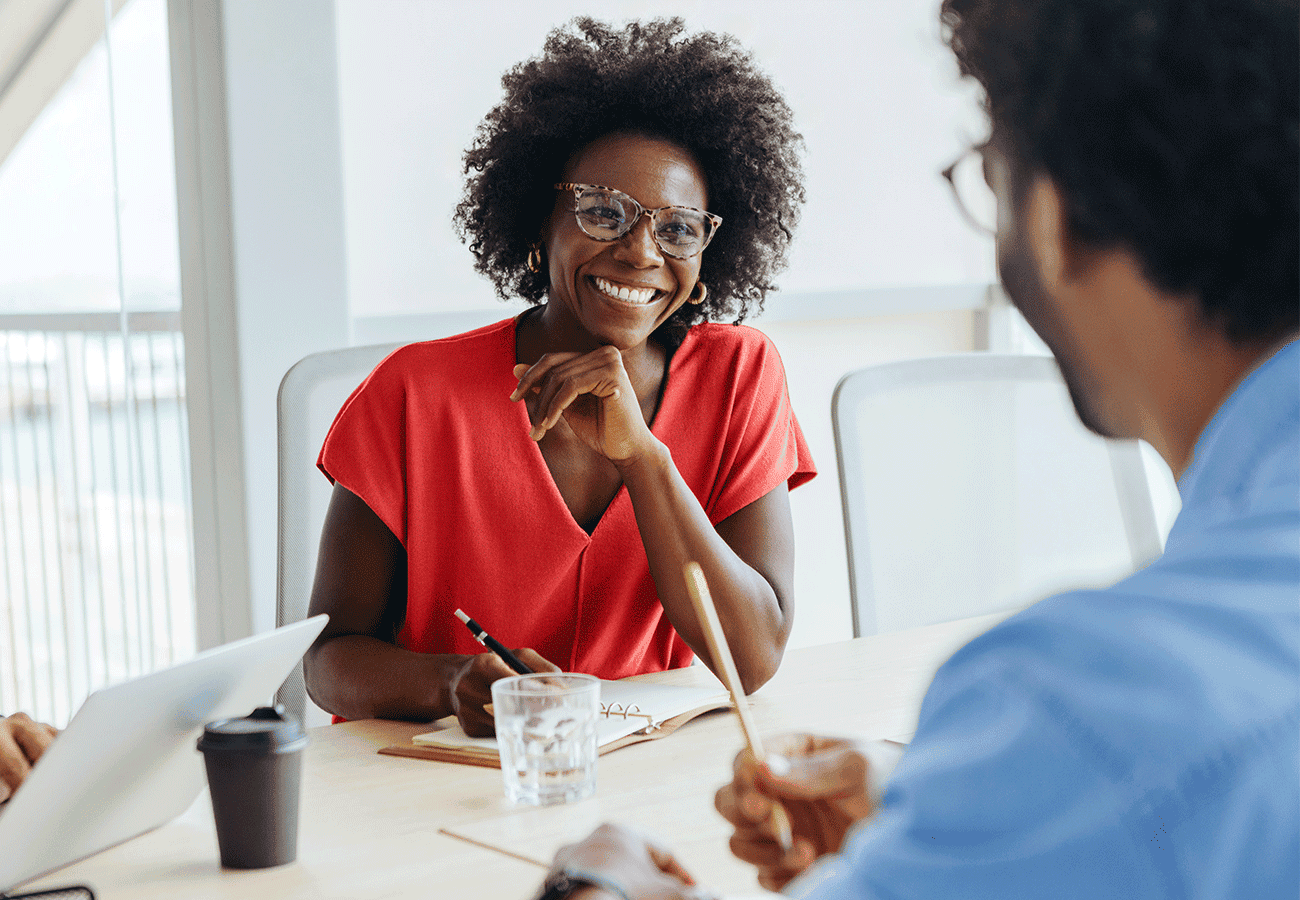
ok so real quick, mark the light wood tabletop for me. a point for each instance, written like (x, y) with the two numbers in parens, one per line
(379, 826)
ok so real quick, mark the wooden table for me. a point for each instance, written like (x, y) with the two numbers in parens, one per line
(370, 824)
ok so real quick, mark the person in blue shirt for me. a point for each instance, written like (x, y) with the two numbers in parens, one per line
(1141, 741)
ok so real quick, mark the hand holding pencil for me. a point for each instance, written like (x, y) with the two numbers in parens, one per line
(791, 806)
(821, 783)
(470, 686)
(717, 640)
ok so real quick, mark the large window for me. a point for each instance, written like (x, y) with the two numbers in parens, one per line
(95, 557)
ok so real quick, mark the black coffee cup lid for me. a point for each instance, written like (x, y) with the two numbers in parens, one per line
(265, 729)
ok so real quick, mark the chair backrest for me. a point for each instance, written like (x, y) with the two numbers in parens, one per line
(970, 486)
(311, 393)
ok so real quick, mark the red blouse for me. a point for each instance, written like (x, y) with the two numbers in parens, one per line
(433, 444)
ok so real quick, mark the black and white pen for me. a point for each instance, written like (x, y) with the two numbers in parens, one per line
(493, 644)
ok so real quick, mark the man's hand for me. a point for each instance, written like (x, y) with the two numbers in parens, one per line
(22, 741)
(471, 687)
(822, 783)
(626, 863)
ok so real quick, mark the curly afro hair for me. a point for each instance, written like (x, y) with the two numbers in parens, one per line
(1170, 127)
(699, 91)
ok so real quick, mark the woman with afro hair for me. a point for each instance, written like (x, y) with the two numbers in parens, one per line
(553, 473)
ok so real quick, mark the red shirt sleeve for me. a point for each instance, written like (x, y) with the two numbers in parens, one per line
(761, 443)
(364, 450)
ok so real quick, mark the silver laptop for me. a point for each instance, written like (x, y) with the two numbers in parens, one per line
(127, 762)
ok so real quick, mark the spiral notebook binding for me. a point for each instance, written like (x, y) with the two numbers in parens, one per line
(619, 711)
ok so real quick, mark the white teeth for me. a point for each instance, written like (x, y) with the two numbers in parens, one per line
(628, 295)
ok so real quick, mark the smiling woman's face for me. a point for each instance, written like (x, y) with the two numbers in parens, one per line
(618, 292)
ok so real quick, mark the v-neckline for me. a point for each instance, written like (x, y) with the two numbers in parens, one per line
(536, 450)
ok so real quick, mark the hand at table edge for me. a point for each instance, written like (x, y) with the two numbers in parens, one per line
(623, 864)
(23, 741)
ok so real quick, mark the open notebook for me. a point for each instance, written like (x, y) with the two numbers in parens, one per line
(631, 711)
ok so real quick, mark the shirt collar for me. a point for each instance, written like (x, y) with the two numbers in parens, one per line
(1266, 400)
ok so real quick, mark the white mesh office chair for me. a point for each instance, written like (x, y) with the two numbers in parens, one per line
(311, 393)
(970, 487)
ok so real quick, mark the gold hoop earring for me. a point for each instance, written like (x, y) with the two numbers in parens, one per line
(535, 257)
(703, 290)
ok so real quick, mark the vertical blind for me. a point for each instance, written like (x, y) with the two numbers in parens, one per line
(95, 573)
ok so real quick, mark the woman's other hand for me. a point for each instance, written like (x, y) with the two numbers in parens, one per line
(471, 687)
(22, 742)
(594, 395)
(822, 783)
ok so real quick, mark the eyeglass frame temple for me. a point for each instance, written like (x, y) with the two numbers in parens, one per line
(966, 214)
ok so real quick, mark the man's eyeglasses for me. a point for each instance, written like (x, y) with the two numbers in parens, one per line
(969, 181)
(605, 214)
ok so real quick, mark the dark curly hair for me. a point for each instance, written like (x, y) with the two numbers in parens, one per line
(699, 91)
(1170, 127)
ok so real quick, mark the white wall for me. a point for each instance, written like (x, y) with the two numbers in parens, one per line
(288, 212)
(874, 92)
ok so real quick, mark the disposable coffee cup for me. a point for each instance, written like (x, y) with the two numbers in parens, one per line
(254, 772)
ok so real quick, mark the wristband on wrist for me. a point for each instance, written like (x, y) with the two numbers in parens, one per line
(561, 884)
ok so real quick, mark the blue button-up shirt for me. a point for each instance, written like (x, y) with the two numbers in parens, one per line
(1141, 741)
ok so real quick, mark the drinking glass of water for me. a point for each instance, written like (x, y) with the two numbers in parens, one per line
(546, 732)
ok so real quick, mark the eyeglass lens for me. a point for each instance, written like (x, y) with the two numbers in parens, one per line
(608, 215)
(973, 192)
